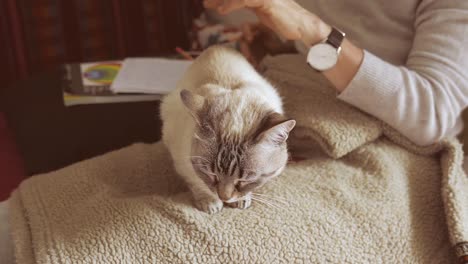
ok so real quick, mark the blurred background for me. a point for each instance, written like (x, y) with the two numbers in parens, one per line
(36, 35)
(37, 132)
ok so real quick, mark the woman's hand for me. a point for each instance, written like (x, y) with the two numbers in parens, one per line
(290, 20)
(285, 17)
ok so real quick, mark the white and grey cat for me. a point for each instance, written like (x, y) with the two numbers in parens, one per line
(225, 130)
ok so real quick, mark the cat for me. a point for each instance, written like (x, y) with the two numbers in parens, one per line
(225, 129)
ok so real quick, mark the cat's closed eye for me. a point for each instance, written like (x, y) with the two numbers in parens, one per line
(250, 176)
(205, 173)
(247, 186)
(213, 177)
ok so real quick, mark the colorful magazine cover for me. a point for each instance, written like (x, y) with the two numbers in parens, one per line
(89, 83)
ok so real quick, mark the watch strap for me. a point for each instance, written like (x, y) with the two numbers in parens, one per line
(335, 38)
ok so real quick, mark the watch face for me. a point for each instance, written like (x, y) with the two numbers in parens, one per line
(322, 56)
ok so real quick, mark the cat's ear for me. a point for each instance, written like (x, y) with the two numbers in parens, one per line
(277, 130)
(193, 102)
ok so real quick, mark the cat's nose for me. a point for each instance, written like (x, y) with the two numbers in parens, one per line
(224, 197)
(225, 193)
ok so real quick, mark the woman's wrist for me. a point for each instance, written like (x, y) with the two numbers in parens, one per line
(349, 62)
(313, 30)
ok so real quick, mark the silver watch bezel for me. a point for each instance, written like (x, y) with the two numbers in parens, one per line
(332, 42)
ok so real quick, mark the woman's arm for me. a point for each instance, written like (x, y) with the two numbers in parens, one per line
(350, 57)
(422, 99)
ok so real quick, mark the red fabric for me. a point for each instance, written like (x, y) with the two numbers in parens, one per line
(11, 165)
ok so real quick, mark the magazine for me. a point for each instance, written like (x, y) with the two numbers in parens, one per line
(149, 75)
(89, 83)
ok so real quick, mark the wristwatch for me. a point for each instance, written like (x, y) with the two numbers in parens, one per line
(324, 55)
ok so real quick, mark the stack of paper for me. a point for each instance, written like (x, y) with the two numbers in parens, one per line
(149, 75)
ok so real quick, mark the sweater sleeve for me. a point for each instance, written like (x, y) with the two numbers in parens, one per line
(424, 98)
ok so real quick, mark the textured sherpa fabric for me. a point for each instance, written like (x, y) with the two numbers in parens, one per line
(309, 98)
(339, 129)
(363, 195)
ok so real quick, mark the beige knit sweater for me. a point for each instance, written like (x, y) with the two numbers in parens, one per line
(415, 70)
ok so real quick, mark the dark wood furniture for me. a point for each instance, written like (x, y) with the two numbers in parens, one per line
(50, 136)
(37, 36)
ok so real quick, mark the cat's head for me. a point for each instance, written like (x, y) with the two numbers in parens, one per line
(236, 149)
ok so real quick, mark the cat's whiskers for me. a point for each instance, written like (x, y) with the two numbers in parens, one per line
(266, 202)
(261, 202)
(274, 198)
(278, 204)
(270, 204)
(263, 194)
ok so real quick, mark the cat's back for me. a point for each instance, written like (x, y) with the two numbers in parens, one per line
(215, 67)
(217, 70)
(217, 56)
(219, 65)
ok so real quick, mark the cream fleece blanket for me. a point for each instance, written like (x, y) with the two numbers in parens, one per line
(363, 195)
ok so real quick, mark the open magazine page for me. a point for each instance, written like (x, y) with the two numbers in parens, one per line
(89, 83)
(149, 75)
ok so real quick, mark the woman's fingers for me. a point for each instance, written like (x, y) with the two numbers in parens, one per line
(247, 32)
(265, 19)
(231, 5)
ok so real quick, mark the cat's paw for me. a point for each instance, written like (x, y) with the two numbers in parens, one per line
(209, 205)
